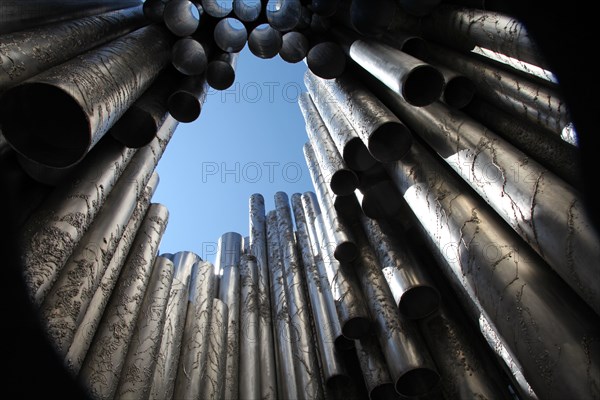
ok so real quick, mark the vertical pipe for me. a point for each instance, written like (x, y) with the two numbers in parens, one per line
(374, 369)
(250, 373)
(185, 103)
(138, 368)
(220, 73)
(258, 248)
(212, 384)
(217, 8)
(264, 41)
(101, 370)
(247, 10)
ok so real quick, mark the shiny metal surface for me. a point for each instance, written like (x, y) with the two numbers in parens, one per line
(264, 41)
(189, 56)
(185, 103)
(220, 73)
(250, 368)
(283, 15)
(294, 47)
(326, 60)
(230, 35)
(247, 10)
(212, 384)
(374, 369)
(181, 17)
(217, 8)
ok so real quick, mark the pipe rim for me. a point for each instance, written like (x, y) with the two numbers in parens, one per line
(423, 85)
(247, 11)
(181, 17)
(384, 391)
(356, 155)
(294, 47)
(390, 141)
(346, 252)
(343, 182)
(217, 8)
(184, 106)
(459, 92)
(264, 41)
(189, 57)
(220, 75)
(230, 35)
(343, 343)
(326, 60)
(417, 382)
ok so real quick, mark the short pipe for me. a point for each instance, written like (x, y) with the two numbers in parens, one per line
(264, 41)
(294, 47)
(212, 385)
(230, 35)
(220, 73)
(283, 15)
(189, 56)
(218, 8)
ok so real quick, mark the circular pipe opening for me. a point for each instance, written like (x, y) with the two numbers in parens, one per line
(230, 35)
(345, 252)
(416, 382)
(423, 86)
(384, 391)
(184, 106)
(247, 10)
(390, 141)
(181, 17)
(459, 92)
(189, 57)
(419, 302)
(356, 328)
(343, 182)
(136, 128)
(357, 156)
(294, 47)
(283, 15)
(220, 74)
(326, 60)
(45, 124)
(217, 8)
(264, 41)
(343, 343)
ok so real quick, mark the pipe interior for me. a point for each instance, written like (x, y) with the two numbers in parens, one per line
(184, 106)
(343, 182)
(189, 57)
(423, 86)
(459, 92)
(136, 128)
(343, 343)
(294, 47)
(220, 74)
(264, 41)
(357, 157)
(417, 382)
(217, 8)
(390, 141)
(230, 35)
(346, 252)
(326, 60)
(283, 15)
(419, 302)
(247, 10)
(182, 17)
(357, 327)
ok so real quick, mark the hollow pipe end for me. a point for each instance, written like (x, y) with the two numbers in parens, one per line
(343, 343)
(384, 391)
(346, 252)
(417, 382)
(220, 75)
(184, 106)
(136, 128)
(344, 182)
(423, 85)
(459, 92)
(356, 328)
(357, 156)
(419, 301)
(390, 141)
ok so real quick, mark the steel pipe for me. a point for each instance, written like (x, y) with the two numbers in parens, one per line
(185, 103)
(247, 10)
(138, 368)
(211, 387)
(165, 372)
(346, 206)
(196, 333)
(339, 178)
(73, 98)
(220, 73)
(86, 329)
(218, 8)
(374, 369)
(182, 17)
(326, 60)
(264, 41)
(20, 54)
(101, 370)
(258, 248)
(304, 20)
(346, 139)
(230, 35)
(294, 47)
(154, 10)
(18, 15)
(229, 248)
(458, 89)
(189, 56)
(42, 173)
(283, 15)
(380, 200)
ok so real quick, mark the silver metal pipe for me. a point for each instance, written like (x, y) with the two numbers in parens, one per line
(380, 200)
(286, 376)
(138, 368)
(220, 73)
(182, 17)
(320, 298)
(305, 356)
(511, 286)
(258, 248)
(247, 10)
(294, 47)
(283, 15)
(381, 131)
(196, 333)
(413, 292)
(217, 8)
(326, 60)
(250, 368)
(339, 178)
(189, 56)
(20, 53)
(86, 329)
(346, 139)
(229, 248)
(101, 370)
(264, 41)
(154, 10)
(41, 173)
(212, 384)
(71, 99)
(374, 369)
(185, 103)
(230, 35)
(165, 372)
(19, 15)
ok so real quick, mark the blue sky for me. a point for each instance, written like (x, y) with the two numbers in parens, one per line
(247, 140)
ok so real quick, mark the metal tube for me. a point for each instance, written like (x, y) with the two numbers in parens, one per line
(409, 43)
(217, 8)
(196, 333)
(220, 73)
(42, 173)
(380, 200)
(341, 180)
(304, 20)
(189, 56)
(73, 98)
(284, 353)
(381, 131)
(139, 364)
(283, 15)
(229, 249)
(411, 368)
(185, 103)
(19, 15)
(346, 139)
(319, 24)
(165, 372)
(326, 60)
(182, 17)
(258, 248)
(532, 309)
(458, 89)
(154, 10)
(86, 329)
(230, 35)
(325, 8)
(346, 206)
(264, 41)
(305, 357)
(20, 54)
(374, 369)
(320, 300)
(294, 47)
(250, 374)
(101, 370)
(247, 10)
(211, 387)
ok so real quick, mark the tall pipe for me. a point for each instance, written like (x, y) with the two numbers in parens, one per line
(326, 60)
(258, 248)
(264, 41)
(220, 73)
(283, 15)
(86, 329)
(77, 102)
(185, 103)
(346, 139)
(212, 384)
(294, 47)
(217, 8)
(165, 372)
(182, 17)
(189, 56)
(247, 10)
(339, 178)
(101, 370)
(196, 333)
(19, 15)
(138, 368)
(250, 368)
(230, 35)
(374, 369)
(532, 309)
(20, 52)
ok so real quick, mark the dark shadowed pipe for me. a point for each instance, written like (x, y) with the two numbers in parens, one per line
(264, 41)
(347, 206)
(20, 54)
(212, 385)
(325, 8)
(217, 8)
(372, 21)
(230, 35)
(220, 73)
(380, 200)
(247, 10)
(294, 47)
(374, 369)
(409, 43)
(71, 99)
(458, 89)
(319, 24)
(44, 174)
(154, 10)
(326, 60)
(189, 56)
(182, 17)
(185, 103)
(18, 15)
(283, 15)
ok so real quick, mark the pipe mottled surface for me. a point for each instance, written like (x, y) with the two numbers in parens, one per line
(250, 368)
(212, 385)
